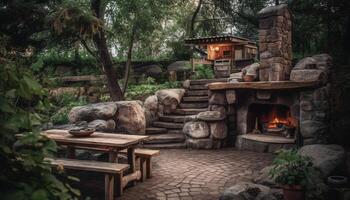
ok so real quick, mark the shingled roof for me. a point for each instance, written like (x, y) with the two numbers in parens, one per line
(218, 39)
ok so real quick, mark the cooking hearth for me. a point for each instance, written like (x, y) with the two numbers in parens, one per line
(273, 104)
(270, 119)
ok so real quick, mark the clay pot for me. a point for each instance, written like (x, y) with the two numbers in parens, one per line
(248, 78)
(293, 192)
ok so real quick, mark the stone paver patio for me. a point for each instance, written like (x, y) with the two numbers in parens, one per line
(197, 174)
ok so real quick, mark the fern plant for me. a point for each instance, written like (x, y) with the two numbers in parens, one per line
(290, 168)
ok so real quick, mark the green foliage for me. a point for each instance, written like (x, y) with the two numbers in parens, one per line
(204, 72)
(291, 168)
(62, 105)
(24, 174)
(142, 91)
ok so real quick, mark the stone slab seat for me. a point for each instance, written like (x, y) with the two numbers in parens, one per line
(145, 156)
(112, 171)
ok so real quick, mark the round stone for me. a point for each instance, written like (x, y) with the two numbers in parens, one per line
(196, 129)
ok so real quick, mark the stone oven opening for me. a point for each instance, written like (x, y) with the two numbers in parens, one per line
(271, 119)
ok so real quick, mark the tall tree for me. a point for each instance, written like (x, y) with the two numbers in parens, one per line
(194, 16)
(98, 8)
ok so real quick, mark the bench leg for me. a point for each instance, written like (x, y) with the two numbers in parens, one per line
(143, 169)
(131, 161)
(109, 187)
(119, 184)
(149, 167)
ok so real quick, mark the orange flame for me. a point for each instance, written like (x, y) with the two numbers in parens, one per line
(276, 121)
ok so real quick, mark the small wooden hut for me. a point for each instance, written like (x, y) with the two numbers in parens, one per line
(227, 53)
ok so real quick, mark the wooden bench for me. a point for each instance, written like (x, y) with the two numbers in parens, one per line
(111, 170)
(145, 156)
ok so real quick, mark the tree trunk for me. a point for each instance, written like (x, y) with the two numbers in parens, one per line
(103, 53)
(128, 62)
(194, 16)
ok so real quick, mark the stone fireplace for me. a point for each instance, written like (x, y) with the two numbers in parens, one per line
(284, 106)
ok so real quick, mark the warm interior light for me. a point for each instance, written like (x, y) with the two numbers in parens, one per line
(217, 49)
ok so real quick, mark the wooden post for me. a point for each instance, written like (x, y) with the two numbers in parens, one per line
(119, 184)
(109, 187)
(131, 161)
(149, 167)
(109, 178)
(193, 65)
(143, 168)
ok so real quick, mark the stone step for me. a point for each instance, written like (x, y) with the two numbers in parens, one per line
(175, 131)
(168, 125)
(181, 145)
(195, 99)
(206, 81)
(172, 118)
(194, 111)
(198, 87)
(166, 138)
(194, 105)
(155, 130)
(196, 93)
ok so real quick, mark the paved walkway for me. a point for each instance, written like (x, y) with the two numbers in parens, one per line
(196, 174)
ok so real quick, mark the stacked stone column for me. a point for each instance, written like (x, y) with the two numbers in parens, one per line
(275, 43)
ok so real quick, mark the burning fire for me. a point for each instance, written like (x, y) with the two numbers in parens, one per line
(277, 122)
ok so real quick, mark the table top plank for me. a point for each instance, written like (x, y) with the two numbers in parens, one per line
(113, 140)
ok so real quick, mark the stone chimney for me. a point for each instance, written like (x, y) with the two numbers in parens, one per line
(275, 43)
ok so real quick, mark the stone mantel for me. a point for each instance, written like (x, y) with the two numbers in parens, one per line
(264, 85)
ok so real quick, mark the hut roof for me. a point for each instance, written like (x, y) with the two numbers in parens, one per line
(219, 39)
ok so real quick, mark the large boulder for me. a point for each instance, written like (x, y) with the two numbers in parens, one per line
(92, 111)
(170, 98)
(179, 66)
(199, 143)
(102, 125)
(151, 109)
(306, 63)
(151, 103)
(211, 116)
(196, 129)
(328, 158)
(250, 191)
(130, 117)
(153, 70)
(305, 75)
(218, 130)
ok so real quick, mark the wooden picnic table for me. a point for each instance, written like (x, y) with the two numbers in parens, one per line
(109, 142)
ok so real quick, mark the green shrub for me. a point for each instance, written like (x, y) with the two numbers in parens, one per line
(23, 173)
(291, 168)
(142, 91)
(204, 72)
(63, 104)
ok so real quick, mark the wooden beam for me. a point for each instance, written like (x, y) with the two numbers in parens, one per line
(263, 85)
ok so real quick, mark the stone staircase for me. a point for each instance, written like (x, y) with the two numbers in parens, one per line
(167, 131)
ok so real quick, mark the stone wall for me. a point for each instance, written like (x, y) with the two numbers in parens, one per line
(315, 105)
(310, 106)
(275, 43)
(210, 129)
